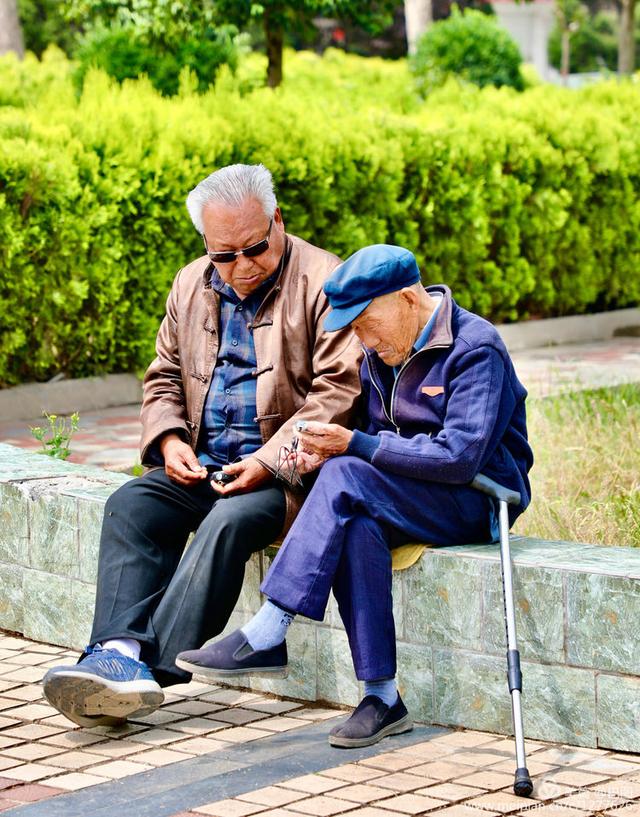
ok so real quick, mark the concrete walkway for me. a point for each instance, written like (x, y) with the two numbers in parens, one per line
(109, 438)
(227, 753)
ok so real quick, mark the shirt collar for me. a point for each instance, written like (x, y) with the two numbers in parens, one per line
(423, 337)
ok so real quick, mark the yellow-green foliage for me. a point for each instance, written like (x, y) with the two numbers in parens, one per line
(523, 203)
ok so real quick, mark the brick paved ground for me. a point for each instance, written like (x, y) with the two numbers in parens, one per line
(240, 753)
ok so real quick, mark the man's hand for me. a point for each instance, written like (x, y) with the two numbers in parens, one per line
(306, 463)
(249, 475)
(324, 439)
(180, 463)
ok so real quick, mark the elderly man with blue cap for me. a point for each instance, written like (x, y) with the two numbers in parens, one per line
(441, 402)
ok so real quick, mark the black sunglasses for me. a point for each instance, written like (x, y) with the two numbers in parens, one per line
(229, 256)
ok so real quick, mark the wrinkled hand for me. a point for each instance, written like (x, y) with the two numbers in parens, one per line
(306, 463)
(302, 463)
(180, 462)
(249, 475)
(324, 439)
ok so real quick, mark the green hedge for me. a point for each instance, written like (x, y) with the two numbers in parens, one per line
(525, 204)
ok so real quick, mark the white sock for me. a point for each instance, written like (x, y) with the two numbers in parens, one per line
(268, 627)
(387, 691)
(125, 646)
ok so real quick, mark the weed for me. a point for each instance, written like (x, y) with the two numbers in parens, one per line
(55, 437)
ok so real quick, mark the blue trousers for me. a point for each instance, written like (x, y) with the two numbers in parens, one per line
(342, 540)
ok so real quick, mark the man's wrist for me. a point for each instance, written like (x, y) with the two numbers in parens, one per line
(167, 438)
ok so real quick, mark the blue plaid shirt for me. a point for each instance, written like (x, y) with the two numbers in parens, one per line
(229, 428)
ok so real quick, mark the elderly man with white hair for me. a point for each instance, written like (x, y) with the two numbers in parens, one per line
(241, 356)
(442, 402)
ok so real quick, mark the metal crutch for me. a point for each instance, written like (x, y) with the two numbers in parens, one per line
(522, 785)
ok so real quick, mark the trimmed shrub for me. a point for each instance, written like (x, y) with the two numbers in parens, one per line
(471, 46)
(124, 54)
(525, 204)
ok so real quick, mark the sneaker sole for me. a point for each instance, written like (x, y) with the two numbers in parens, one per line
(212, 673)
(89, 698)
(397, 728)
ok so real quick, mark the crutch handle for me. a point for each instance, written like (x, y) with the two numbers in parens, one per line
(494, 489)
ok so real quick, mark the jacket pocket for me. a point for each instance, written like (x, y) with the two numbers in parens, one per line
(432, 391)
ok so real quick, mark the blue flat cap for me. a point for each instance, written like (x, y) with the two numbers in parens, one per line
(367, 274)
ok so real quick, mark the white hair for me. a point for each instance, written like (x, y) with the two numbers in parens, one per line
(232, 186)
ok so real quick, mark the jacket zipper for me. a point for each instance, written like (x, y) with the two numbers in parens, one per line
(377, 388)
(403, 367)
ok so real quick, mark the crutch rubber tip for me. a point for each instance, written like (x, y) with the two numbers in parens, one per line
(522, 785)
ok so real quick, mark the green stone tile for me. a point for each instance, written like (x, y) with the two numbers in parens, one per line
(83, 597)
(90, 514)
(14, 525)
(539, 609)
(602, 622)
(336, 677)
(54, 534)
(303, 660)
(443, 601)
(618, 711)
(250, 599)
(415, 680)
(471, 690)
(11, 598)
(559, 704)
(49, 613)
(18, 464)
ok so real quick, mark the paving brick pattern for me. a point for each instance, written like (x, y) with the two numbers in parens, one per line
(455, 773)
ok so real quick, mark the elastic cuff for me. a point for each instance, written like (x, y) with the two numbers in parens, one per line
(363, 445)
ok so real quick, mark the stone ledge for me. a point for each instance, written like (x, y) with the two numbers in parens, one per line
(577, 608)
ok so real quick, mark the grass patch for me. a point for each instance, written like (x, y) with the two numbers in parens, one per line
(586, 476)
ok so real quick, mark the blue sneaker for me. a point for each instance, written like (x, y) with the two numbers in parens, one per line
(103, 689)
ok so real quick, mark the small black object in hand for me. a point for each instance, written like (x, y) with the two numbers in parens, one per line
(222, 478)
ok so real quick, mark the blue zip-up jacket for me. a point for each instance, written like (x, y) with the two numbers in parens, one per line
(455, 409)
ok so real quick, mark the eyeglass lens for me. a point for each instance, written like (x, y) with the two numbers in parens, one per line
(250, 252)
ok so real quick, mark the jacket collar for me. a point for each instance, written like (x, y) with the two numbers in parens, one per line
(441, 335)
(442, 332)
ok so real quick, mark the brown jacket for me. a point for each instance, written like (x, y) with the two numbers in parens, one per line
(302, 372)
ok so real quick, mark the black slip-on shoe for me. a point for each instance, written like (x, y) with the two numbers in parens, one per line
(233, 655)
(371, 721)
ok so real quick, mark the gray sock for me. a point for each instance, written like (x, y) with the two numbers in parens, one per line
(268, 627)
(387, 691)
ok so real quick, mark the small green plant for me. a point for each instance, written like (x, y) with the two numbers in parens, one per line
(55, 437)
(470, 46)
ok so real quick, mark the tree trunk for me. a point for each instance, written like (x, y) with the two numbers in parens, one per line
(275, 41)
(565, 53)
(626, 44)
(10, 29)
(418, 16)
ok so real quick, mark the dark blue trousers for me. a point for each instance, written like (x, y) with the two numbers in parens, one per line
(342, 540)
